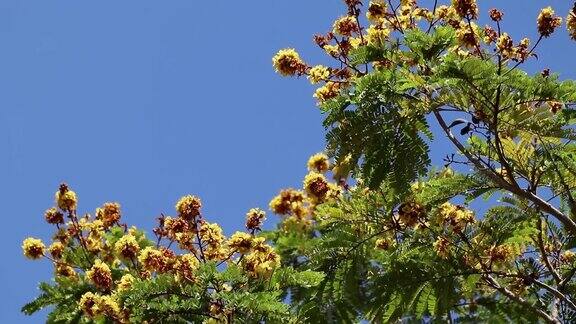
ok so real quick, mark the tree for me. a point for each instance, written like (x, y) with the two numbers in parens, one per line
(403, 242)
(106, 272)
(392, 237)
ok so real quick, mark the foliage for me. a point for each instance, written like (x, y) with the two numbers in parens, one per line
(408, 241)
(106, 272)
(487, 237)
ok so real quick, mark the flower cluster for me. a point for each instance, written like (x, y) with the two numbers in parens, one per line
(112, 258)
(411, 214)
(456, 217)
(571, 23)
(108, 214)
(548, 22)
(466, 8)
(188, 207)
(386, 26)
(288, 63)
(100, 275)
(262, 259)
(254, 219)
(33, 248)
(66, 198)
(297, 206)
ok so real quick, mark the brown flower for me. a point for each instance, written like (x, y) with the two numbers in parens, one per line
(466, 8)
(496, 14)
(548, 22)
(53, 216)
(109, 214)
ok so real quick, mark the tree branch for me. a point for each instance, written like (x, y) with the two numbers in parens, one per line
(538, 201)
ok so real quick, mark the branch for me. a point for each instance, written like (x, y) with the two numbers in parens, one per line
(556, 293)
(539, 202)
(506, 292)
(540, 242)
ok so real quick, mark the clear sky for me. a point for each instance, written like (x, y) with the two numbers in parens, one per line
(143, 101)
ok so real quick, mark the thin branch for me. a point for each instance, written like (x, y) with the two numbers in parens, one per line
(506, 292)
(544, 256)
(538, 201)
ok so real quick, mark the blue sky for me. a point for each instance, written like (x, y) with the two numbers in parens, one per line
(141, 102)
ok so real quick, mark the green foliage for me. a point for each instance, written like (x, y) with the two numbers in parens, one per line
(378, 134)
(64, 293)
(398, 241)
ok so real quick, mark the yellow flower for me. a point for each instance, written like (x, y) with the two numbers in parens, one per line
(496, 15)
(186, 241)
(89, 304)
(109, 306)
(153, 259)
(442, 247)
(127, 247)
(62, 236)
(376, 11)
(345, 26)
(505, 45)
(318, 73)
(64, 270)
(334, 191)
(501, 253)
(94, 243)
(211, 233)
(287, 62)
(548, 22)
(383, 243)
(100, 275)
(411, 214)
(466, 8)
(316, 186)
(319, 163)
(185, 266)
(468, 34)
(377, 35)
(332, 50)
(175, 226)
(262, 260)
(328, 91)
(442, 11)
(254, 218)
(96, 227)
(490, 35)
(568, 256)
(188, 207)
(56, 249)
(423, 13)
(53, 216)
(108, 214)
(456, 217)
(555, 106)
(33, 248)
(282, 204)
(240, 242)
(217, 253)
(355, 42)
(571, 24)
(66, 198)
(126, 282)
